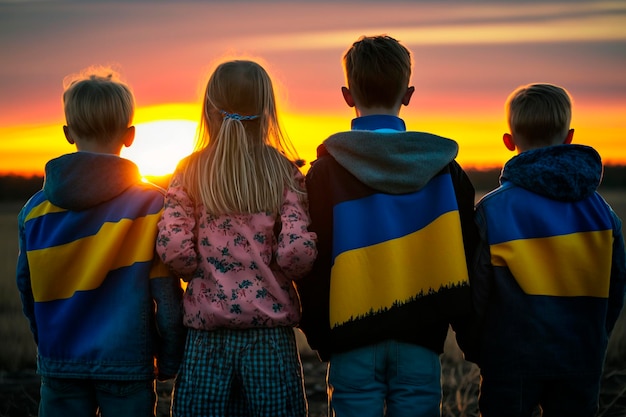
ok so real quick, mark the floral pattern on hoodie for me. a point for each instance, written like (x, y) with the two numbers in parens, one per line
(239, 268)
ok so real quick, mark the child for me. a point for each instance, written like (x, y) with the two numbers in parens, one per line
(550, 271)
(393, 212)
(235, 226)
(101, 305)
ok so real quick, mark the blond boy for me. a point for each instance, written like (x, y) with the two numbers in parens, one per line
(550, 272)
(101, 305)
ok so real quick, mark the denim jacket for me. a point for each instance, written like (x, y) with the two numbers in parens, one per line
(100, 303)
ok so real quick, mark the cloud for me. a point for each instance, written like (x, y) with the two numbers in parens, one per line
(513, 24)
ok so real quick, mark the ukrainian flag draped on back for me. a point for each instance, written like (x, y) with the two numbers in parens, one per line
(99, 257)
(399, 236)
(568, 244)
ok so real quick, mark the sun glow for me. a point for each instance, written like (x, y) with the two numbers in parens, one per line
(160, 145)
(164, 135)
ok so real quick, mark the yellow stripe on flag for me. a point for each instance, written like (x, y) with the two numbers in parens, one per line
(83, 264)
(376, 277)
(43, 208)
(577, 264)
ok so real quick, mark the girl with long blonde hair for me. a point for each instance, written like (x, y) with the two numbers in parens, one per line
(235, 227)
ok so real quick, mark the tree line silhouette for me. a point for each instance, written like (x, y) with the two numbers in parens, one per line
(17, 188)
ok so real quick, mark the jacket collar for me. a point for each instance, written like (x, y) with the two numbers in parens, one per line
(378, 122)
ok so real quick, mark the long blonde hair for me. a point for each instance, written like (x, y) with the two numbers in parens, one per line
(241, 163)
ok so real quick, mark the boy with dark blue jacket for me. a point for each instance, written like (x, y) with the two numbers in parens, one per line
(549, 278)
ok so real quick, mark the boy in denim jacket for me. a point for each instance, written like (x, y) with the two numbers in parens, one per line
(102, 307)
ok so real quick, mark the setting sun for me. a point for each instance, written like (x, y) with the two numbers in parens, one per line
(160, 145)
(164, 134)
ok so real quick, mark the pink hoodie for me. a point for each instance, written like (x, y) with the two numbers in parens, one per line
(239, 271)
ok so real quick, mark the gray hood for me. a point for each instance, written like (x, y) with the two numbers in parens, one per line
(392, 162)
(81, 180)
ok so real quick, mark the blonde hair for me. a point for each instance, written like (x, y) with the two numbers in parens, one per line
(98, 105)
(378, 70)
(539, 114)
(240, 164)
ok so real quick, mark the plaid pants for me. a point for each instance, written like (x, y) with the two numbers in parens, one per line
(233, 373)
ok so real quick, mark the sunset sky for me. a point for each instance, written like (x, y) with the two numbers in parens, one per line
(468, 56)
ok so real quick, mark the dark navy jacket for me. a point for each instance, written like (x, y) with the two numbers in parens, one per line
(550, 272)
(392, 210)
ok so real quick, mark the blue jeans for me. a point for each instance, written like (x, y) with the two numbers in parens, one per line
(404, 378)
(519, 396)
(62, 397)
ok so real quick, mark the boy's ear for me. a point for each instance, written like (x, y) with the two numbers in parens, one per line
(129, 136)
(68, 135)
(507, 138)
(407, 95)
(347, 96)
(569, 137)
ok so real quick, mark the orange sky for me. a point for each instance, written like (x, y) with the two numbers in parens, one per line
(467, 59)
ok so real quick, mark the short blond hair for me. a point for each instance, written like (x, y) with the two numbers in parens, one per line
(539, 114)
(378, 70)
(98, 105)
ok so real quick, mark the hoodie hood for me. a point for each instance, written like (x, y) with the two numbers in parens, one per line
(81, 180)
(391, 162)
(563, 172)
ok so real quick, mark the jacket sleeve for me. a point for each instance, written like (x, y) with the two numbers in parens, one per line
(176, 244)
(481, 273)
(23, 278)
(314, 288)
(465, 197)
(618, 276)
(167, 296)
(464, 323)
(296, 250)
(481, 269)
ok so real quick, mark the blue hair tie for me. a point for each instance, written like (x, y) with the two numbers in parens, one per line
(236, 116)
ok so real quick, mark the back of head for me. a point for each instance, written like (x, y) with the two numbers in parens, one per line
(240, 162)
(539, 114)
(243, 88)
(98, 106)
(378, 71)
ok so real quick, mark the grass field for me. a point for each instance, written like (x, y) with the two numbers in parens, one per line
(18, 352)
